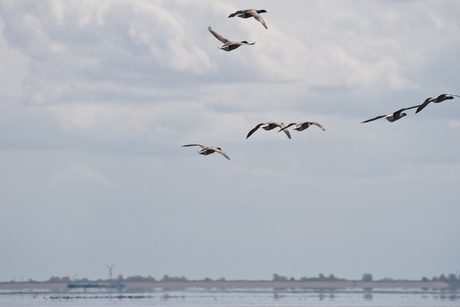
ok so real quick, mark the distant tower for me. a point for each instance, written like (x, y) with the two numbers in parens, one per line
(110, 270)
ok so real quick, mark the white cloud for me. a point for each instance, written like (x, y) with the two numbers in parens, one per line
(121, 85)
(121, 53)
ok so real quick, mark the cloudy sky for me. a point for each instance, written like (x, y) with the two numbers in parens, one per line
(97, 97)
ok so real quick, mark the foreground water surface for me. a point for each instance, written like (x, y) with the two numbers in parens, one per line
(233, 297)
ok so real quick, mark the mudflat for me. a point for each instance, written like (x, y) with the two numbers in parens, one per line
(243, 285)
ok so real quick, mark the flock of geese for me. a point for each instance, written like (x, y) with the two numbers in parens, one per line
(229, 45)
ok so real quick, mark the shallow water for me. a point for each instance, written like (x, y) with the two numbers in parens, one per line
(233, 297)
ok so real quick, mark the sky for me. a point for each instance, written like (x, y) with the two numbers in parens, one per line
(97, 98)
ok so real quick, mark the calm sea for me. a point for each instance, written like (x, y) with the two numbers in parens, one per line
(233, 297)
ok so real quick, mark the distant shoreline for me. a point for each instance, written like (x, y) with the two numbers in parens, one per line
(173, 285)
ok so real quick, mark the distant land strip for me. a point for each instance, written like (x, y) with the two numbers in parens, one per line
(173, 285)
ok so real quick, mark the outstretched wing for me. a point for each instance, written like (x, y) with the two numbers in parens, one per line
(404, 109)
(218, 36)
(222, 153)
(291, 124)
(188, 145)
(254, 130)
(423, 105)
(285, 130)
(260, 19)
(236, 13)
(317, 124)
(369, 120)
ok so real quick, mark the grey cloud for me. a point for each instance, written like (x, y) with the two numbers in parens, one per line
(105, 94)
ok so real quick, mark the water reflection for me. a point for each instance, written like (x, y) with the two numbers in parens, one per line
(368, 294)
(166, 297)
(233, 297)
(325, 293)
(449, 294)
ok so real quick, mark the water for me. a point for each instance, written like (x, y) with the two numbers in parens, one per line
(230, 298)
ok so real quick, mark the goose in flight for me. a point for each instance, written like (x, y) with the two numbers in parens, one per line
(435, 99)
(228, 44)
(392, 116)
(207, 150)
(250, 13)
(301, 126)
(269, 126)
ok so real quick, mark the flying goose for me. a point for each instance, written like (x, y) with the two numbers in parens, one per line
(392, 116)
(228, 44)
(207, 150)
(269, 126)
(250, 13)
(435, 99)
(301, 126)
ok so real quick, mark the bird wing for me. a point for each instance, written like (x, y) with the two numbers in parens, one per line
(404, 109)
(188, 145)
(218, 36)
(317, 124)
(222, 153)
(287, 133)
(260, 19)
(283, 128)
(424, 104)
(254, 130)
(369, 120)
(236, 13)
